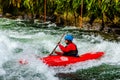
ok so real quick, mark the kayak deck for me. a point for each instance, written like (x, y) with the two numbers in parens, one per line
(56, 60)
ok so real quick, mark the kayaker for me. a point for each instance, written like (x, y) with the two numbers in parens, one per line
(70, 49)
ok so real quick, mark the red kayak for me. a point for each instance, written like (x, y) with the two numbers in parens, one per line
(56, 60)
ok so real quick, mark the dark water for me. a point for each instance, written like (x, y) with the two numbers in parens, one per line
(21, 39)
(102, 72)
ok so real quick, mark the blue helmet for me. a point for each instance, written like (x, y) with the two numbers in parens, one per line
(68, 37)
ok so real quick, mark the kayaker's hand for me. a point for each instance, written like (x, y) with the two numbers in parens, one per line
(58, 53)
(58, 43)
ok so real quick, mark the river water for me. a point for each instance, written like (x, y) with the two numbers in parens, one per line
(23, 40)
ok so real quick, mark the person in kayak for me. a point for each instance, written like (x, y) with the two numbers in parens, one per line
(70, 49)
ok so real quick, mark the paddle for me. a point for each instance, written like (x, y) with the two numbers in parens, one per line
(56, 45)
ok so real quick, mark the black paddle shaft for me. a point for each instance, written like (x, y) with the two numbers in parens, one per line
(57, 44)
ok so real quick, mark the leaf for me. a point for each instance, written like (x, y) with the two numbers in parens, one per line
(18, 5)
(104, 8)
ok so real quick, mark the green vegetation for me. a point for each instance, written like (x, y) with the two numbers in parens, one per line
(106, 11)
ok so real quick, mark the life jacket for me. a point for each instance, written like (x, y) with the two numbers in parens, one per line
(69, 50)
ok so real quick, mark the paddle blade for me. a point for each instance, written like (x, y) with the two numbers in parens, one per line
(23, 61)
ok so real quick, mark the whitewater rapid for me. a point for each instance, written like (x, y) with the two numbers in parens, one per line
(26, 43)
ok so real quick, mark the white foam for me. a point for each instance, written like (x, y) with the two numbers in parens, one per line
(37, 41)
(2, 72)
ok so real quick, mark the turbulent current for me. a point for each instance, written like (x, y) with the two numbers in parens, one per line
(23, 40)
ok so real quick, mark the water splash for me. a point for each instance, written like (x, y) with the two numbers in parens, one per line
(25, 42)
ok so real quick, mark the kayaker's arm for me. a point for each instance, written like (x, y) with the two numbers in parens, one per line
(64, 49)
(56, 45)
(59, 53)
